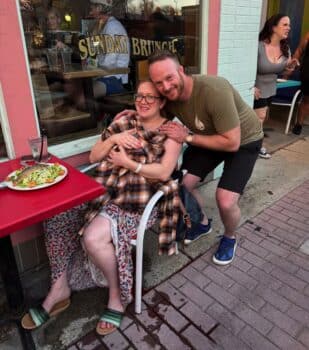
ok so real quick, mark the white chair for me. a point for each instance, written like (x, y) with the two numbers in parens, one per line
(139, 242)
(280, 101)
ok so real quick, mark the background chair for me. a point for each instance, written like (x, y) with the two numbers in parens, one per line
(291, 101)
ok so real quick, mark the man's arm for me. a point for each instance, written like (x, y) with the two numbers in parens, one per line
(301, 47)
(228, 141)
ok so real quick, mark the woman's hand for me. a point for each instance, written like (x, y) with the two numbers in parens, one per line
(175, 131)
(118, 157)
(126, 139)
(257, 93)
(127, 112)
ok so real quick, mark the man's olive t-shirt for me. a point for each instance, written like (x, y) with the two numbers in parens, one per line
(215, 107)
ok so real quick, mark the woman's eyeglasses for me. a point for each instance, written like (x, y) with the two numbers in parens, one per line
(148, 98)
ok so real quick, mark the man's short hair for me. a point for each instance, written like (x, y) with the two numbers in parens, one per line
(161, 55)
(106, 5)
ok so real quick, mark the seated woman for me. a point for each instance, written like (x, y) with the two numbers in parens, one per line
(136, 160)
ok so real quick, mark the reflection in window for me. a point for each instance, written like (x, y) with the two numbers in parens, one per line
(86, 56)
(2, 145)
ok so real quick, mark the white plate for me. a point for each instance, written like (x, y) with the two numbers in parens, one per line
(58, 179)
(281, 80)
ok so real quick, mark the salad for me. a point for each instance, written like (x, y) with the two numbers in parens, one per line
(36, 175)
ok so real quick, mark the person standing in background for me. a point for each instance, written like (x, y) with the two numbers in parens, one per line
(302, 55)
(274, 58)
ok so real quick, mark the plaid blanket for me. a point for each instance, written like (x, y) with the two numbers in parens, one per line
(132, 191)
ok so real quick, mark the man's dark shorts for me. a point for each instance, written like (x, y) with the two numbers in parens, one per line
(262, 102)
(238, 166)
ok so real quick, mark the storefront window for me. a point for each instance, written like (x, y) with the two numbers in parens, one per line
(87, 55)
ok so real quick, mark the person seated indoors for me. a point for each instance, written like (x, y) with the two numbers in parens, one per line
(136, 160)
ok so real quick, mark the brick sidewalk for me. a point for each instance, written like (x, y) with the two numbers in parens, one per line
(260, 301)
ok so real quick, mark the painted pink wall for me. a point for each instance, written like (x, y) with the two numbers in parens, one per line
(15, 80)
(213, 36)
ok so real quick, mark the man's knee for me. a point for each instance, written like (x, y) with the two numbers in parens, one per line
(226, 200)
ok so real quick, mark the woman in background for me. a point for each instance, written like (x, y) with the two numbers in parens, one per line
(273, 59)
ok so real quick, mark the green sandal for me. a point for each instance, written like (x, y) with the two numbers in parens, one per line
(38, 315)
(110, 316)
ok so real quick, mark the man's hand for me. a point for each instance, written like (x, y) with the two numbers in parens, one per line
(257, 93)
(175, 131)
(127, 112)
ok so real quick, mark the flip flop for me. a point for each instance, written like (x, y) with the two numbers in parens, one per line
(38, 315)
(110, 316)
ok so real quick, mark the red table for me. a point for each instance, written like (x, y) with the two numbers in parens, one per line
(20, 209)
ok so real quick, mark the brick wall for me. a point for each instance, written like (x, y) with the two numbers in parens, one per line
(238, 41)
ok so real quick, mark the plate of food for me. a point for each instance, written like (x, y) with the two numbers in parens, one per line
(35, 177)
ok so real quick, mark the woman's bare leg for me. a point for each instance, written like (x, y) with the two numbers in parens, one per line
(59, 291)
(98, 244)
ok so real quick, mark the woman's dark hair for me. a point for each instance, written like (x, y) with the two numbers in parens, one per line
(267, 31)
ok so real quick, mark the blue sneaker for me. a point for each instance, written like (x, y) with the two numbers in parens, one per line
(197, 232)
(226, 251)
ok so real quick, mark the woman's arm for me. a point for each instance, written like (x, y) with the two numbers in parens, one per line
(160, 171)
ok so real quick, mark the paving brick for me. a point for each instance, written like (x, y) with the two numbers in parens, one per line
(299, 225)
(247, 296)
(90, 342)
(254, 259)
(289, 237)
(229, 320)
(304, 337)
(274, 248)
(199, 264)
(255, 249)
(141, 340)
(264, 216)
(288, 206)
(196, 295)
(302, 262)
(221, 295)
(241, 264)
(169, 339)
(288, 279)
(195, 277)
(251, 317)
(284, 264)
(227, 340)
(115, 341)
(296, 216)
(218, 277)
(283, 340)
(149, 318)
(273, 298)
(264, 278)
(171, 294)
(295, 297)
(177, 280)
(279, 215)
(265, 225)
(197, 339)
(241, 277)
(255, 340)
(281, 320)
(298, 314)
(297, 198)
(282, 225)
(72, 347)
(201, 319)
(152, 298)
(171, 316)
